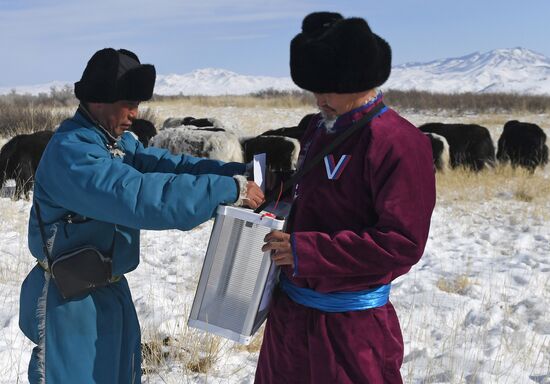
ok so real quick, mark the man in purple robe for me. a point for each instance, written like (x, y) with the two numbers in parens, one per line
(360, 218)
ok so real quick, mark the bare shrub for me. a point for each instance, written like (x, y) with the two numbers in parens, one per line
(62, 97)
(287, 98)
(413, 100)
(268, 98)
(468, 102)
(27, 113)
(15, 119)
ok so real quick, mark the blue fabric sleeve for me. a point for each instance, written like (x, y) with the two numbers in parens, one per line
(82, 177)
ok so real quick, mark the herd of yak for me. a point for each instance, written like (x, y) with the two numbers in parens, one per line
(470, 146)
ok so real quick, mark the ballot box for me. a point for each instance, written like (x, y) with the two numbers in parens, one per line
(237, 278)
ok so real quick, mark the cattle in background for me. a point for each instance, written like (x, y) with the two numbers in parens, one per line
(172, 122)
(215, 144)
(144, 130)
(19, 158)
(523, 144)
(470, 145)
(440, 151)
(281, 152)
(281, 146)
(294, 132)
(281, 156)
(203, 122)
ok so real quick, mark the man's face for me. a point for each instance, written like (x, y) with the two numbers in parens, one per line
(333, 105)
(116, 117)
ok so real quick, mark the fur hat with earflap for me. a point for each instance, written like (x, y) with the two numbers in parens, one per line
(337, 55)
(112, 75)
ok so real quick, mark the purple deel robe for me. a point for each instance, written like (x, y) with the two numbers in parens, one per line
(363, 227)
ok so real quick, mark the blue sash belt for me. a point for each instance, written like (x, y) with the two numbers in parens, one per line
(337, 301)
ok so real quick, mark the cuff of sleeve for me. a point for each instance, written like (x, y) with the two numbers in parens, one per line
(294, 254)
(241, 188)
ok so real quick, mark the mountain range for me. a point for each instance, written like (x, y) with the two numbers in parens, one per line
(515, 70)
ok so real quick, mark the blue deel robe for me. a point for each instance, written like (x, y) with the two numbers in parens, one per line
(96, 338)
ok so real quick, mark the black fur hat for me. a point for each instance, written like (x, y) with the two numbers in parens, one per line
(112, 75)
(337, 55)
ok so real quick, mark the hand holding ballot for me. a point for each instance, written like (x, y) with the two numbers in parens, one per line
(254, 195)
(279, 243)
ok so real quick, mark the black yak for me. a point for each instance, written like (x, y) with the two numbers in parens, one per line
(19, 159)
(189, 121)
(282, 147)
(523, 144)
(470, 145)
(144, 129)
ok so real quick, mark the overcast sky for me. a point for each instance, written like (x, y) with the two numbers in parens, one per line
(46, 40)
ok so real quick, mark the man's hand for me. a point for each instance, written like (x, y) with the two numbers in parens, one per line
(254, 195)
(281, 250)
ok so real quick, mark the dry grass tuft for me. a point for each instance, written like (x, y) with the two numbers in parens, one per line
(154, 355)
(196, 352)
(255, 344)
(459, 285)
(500, 182)
(205, 352)
(201, 365)
(523, 195)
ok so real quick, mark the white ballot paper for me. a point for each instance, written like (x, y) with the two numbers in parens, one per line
(259, 170)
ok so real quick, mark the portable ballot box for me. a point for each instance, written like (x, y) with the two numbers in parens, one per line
(237, 278)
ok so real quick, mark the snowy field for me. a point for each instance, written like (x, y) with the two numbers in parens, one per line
(473, 310)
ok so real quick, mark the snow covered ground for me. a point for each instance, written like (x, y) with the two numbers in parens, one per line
(473, 310)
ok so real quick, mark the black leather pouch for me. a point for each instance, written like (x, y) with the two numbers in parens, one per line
(80, 271)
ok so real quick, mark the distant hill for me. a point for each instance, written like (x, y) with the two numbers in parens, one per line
(515, 70)
(212, 81)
